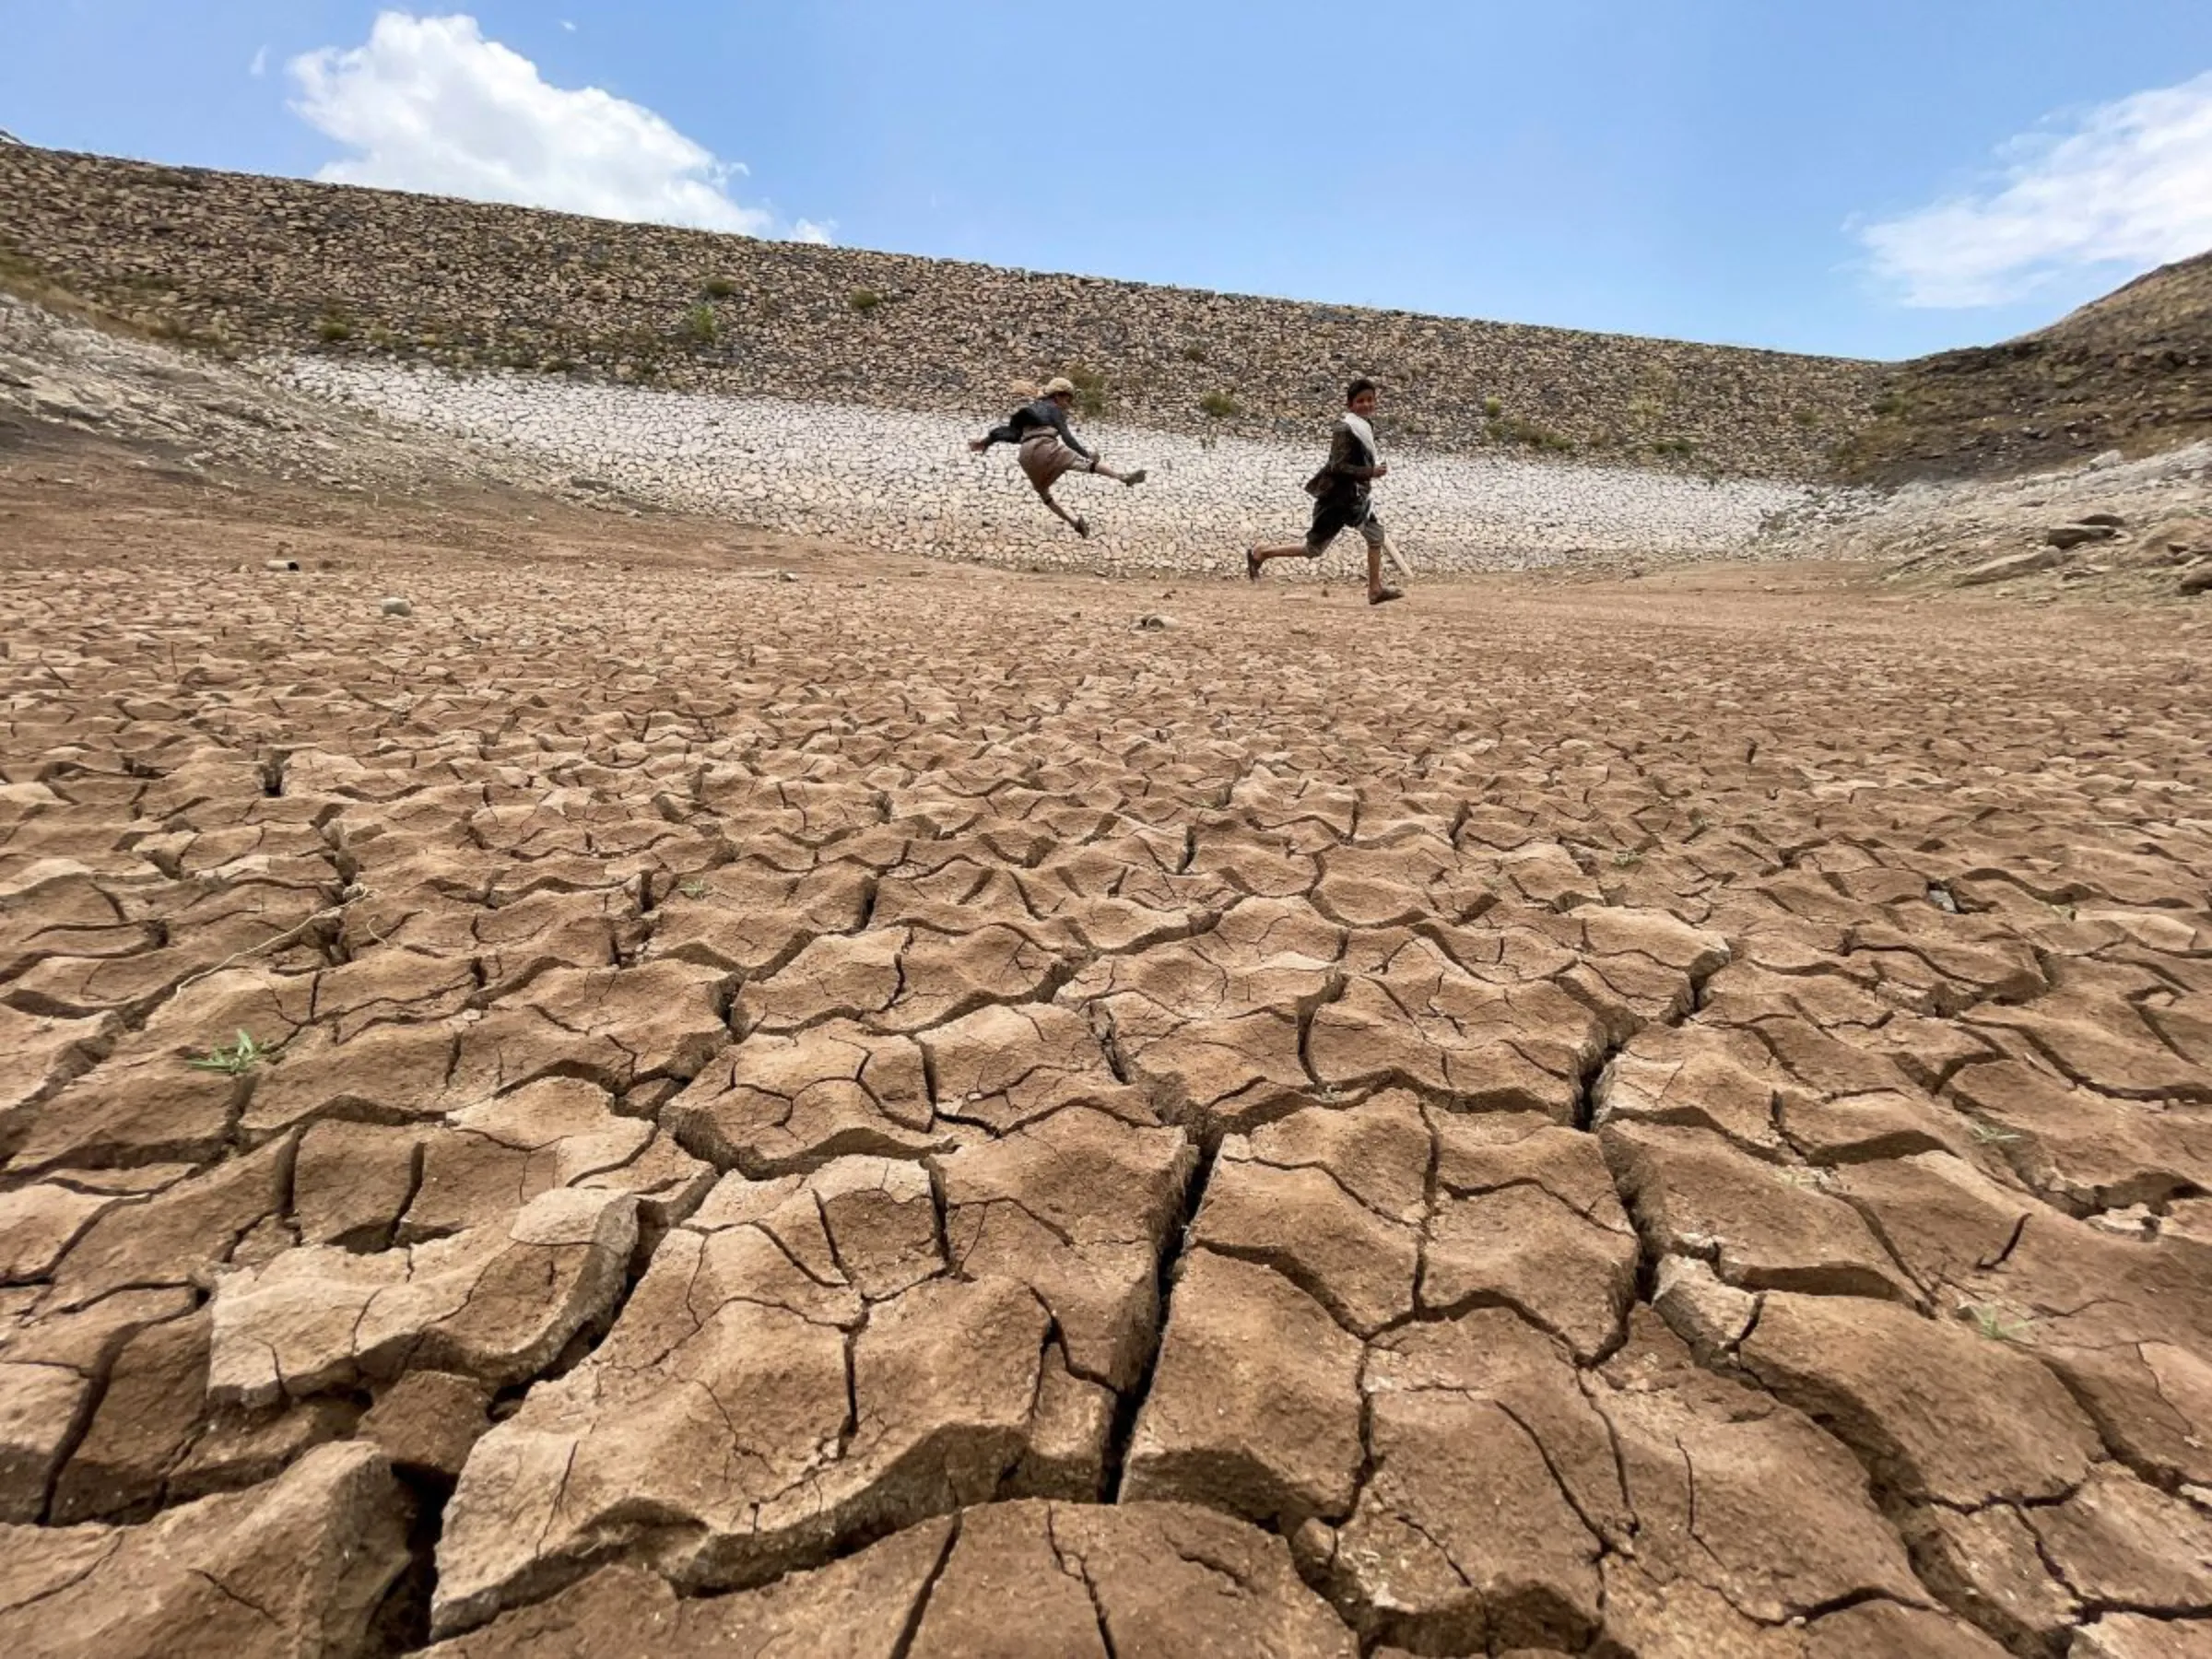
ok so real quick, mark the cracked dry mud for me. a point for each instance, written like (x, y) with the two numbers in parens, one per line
(889, 1115)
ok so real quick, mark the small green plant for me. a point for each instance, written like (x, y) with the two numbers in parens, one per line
(1193, 354)
(333, 328)
(1681, 449)
(235, 1059)
(1628, 858)
(1990, 1321)
(864, 300)
(1492, 407)
(718, 288)
(1889, 403)
(1805, 419)
(1990, 1135)
(1094, 392)
(1221, 406)
(699, 324)
(1512, 428)
(694, 888)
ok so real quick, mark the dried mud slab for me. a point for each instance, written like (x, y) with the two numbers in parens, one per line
(1009, 1579)
(300, 1566)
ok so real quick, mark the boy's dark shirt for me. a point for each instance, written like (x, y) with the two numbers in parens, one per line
(1345, 476)
(1033, 416)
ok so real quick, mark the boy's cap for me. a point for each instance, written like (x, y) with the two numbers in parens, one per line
(1057, 384)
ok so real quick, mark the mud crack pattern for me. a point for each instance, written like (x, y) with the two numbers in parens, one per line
(647, 1104)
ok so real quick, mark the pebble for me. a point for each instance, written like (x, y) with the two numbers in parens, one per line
(396, 606)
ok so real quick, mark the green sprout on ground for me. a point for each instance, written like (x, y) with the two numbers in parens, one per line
(864, 300)
(1990, 1321)
(1628, 858)
(1990, 1135)
(234, 1060)
(700, 324)
(719, 288)
(1221, 406)
(695, 887)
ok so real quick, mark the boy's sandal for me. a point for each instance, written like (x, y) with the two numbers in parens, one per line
(1252, 565)
(1385, 596)
(1136, 477)
(1082, 527)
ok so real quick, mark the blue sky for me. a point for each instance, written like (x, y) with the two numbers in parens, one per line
(1880, 178)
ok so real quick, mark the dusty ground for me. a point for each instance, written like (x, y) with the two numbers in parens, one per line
(649, 1107)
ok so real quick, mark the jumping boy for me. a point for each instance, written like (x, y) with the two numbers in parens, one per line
(1049, 449)
(1341, 495)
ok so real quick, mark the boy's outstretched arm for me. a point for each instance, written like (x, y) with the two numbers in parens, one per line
(1067, 436)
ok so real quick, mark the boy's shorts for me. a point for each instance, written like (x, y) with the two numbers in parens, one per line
(1333, 517)
(1046, 460)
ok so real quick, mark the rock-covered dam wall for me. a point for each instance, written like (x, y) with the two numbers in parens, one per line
(259, 264)
(829, 388)
(904, 481)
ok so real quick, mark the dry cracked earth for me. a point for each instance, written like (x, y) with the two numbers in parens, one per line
(642, 1109)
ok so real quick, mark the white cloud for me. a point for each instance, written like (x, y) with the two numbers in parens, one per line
(428, 104)
(2128, 185)
(822, 235)
(260, 65)
(568, 26)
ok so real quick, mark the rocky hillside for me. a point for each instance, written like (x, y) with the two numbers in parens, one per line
(2131, 372)
(256, 264)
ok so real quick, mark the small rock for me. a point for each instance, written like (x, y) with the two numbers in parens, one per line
(2137, 1221)
(1152, 622)
(2010, 566)
(1940, 897)
(396, 606)
(280, 564)
(1712, 1317)
(2197, 578)
(2073, 535)
(2111, 521)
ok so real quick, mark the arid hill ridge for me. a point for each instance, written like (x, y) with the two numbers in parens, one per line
(2131, 372)
(249, 263)
(246, 264)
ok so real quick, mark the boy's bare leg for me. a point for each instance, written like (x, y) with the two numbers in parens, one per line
(1376, 592)
(1260, 555)
(1071, 520)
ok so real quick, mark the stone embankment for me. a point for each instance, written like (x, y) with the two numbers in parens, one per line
(904, 481)
(256, 266)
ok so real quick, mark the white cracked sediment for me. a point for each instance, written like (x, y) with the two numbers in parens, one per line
(905, 482)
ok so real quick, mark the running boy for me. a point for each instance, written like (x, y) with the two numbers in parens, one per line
(1048, 450)
(1341, 495)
